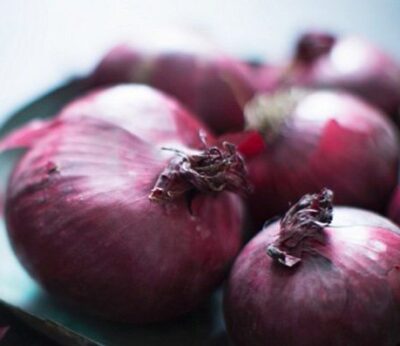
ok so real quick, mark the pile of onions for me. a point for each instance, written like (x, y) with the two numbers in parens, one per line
(107, 219)
(210, 83)
(350, 63)
(315, 139)
(311, 279)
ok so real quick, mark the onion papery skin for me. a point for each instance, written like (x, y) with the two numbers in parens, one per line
(80, 221)
(329, 139)
(142, 110)
(350, 63)
(346, 295)
(211, 84)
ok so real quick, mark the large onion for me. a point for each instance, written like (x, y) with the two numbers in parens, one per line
(310, 280)
(317, 139)
(116, 225)
(349, 63)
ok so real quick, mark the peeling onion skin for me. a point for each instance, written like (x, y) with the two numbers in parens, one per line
(347, 295)
(80, 220)
(212, 85)
(349, 63)
(327, 139)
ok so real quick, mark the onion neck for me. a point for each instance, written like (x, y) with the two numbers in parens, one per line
(303, 222)
(269, 113)
(312, 46)
(211, 170)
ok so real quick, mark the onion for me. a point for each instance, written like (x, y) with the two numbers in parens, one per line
(213, 85)
(317, 139)
(311, 280)
(349, 63)
(116, 225)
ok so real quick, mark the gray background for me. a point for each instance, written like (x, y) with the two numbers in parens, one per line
(45, 42)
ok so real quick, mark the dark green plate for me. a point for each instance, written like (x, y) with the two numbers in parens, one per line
(70, 327)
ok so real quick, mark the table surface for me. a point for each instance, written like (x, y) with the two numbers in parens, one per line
(45, 42)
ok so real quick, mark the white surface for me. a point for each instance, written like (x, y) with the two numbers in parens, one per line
(43, 42)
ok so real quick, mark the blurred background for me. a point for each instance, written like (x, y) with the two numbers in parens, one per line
(46, 42)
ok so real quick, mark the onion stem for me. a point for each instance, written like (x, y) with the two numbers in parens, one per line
(305, 220)
(213, 169)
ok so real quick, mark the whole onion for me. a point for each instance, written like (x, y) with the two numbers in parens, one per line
(349, 63)
(317, 139)
(210, 83)
(117, 225)
(313, 280)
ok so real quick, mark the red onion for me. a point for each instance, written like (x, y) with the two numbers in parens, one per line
(310, 280)
(114, 224)
(349, 63)
(317, 139)
(214, 86)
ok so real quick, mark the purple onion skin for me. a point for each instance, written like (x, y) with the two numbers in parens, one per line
(349, 63)
(346, 295)
(330, 139)
(214, 86)
(142, 110)
(80, 220)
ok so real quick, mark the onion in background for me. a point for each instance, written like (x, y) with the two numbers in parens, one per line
(351, 63)
(211, 84)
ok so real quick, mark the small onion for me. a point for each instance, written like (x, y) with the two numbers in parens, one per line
(349, 63)
(317, 139)
(310, 280)
(210, 83)
(115, 224)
